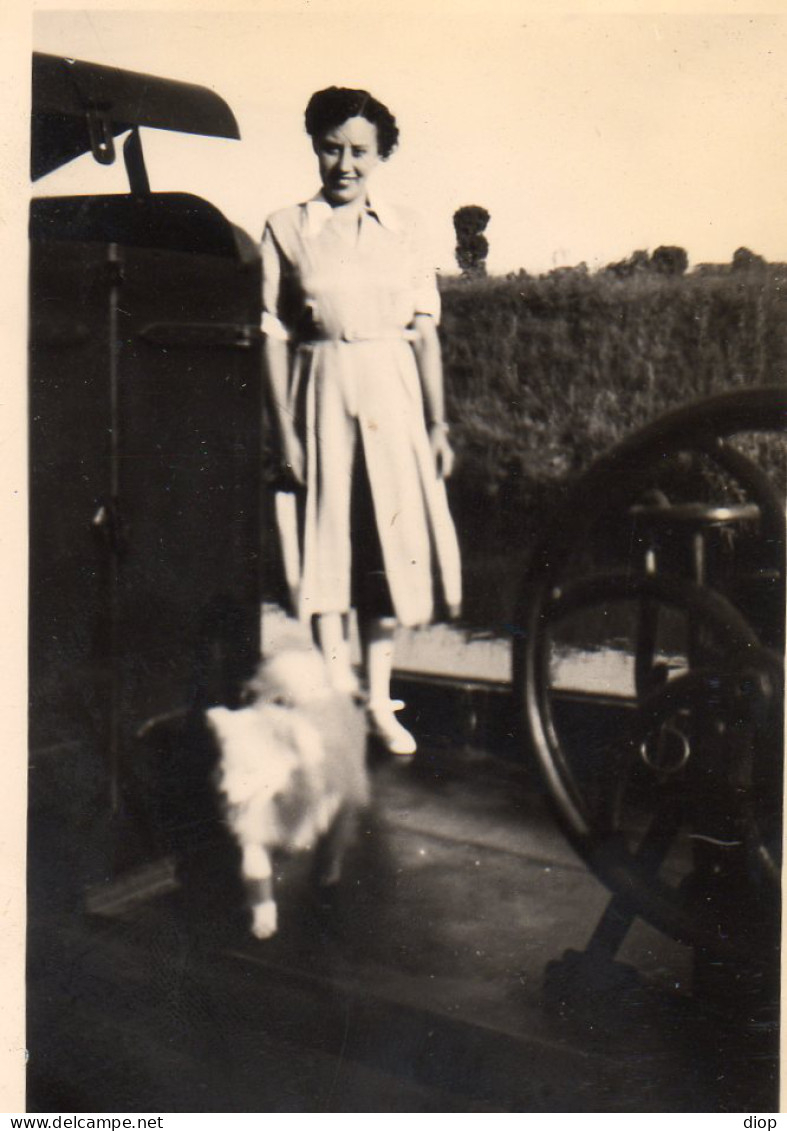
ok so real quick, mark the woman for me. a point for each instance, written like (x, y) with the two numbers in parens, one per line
(353, 359)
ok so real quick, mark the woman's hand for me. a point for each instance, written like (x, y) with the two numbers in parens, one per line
(442, 451)
(430, 371)
(292, 453)
(276, 369)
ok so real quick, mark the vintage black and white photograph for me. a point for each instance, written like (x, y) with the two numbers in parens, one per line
(407, 469)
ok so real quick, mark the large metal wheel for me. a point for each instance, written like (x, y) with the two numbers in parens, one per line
(666, 770)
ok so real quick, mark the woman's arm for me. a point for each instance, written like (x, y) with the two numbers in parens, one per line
(276, 359)
(277, 365)
(430, 370)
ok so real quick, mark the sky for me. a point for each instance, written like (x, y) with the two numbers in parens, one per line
(586, 136)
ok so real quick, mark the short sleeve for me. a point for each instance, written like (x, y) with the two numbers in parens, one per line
(426, 296)
(271, 254)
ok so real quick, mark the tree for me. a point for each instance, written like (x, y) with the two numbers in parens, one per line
(669, 260)
(472, 247)
(746, 260)
(637, 262)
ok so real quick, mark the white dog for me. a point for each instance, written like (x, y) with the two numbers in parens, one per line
(292, 773)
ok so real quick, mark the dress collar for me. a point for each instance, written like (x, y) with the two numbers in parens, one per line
(318, 212)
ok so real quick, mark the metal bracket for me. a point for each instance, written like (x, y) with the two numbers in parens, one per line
(102, 141)
(135, 164)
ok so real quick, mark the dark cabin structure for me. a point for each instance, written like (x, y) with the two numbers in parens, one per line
(144, 410)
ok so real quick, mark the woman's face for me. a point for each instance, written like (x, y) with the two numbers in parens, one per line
(346, 156)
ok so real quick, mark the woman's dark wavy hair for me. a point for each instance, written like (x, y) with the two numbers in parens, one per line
(331, 107)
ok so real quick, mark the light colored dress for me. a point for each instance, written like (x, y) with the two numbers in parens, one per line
(346, 308)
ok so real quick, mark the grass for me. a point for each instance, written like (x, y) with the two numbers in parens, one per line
(543, 374)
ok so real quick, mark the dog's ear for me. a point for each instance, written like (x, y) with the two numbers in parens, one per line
(219, 721)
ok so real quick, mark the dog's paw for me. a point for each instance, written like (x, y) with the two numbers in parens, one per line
(264, 919)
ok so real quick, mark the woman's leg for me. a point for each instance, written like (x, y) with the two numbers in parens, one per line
(332, 630)
(379, 642)
(378, 634)
(376, 619)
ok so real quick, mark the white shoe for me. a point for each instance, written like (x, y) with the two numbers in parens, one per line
(389, 730)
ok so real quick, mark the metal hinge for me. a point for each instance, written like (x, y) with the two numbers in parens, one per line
(99, 128)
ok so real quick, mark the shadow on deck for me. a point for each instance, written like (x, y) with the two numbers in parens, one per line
(420, 988)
